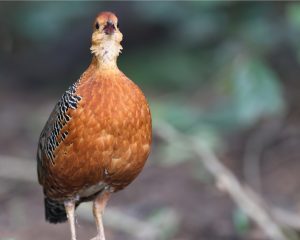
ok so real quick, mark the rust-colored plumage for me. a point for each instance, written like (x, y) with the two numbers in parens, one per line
(98, 136)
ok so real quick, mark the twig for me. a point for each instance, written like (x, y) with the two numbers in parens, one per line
(17, 169)
(227, 180)
(286, 218)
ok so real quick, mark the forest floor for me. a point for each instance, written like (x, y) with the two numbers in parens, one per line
(203, 211)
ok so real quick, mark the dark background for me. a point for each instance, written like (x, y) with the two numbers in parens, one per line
(224, 72)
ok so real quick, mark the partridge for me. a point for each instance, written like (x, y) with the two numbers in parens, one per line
(98, 137)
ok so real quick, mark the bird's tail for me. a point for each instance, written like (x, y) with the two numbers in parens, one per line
(55, 211)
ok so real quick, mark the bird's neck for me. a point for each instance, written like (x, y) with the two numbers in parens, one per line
(106, 54)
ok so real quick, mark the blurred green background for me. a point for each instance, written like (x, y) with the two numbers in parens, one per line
(225, 72)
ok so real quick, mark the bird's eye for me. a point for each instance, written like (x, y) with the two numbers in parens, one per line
(97, 26)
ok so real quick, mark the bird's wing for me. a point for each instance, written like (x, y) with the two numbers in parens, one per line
(52, 134)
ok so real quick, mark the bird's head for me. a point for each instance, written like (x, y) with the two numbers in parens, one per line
(106, 38)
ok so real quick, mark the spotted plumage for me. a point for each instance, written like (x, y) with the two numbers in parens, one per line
(98, 136)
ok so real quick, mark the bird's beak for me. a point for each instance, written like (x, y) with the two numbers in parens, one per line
(109, 28)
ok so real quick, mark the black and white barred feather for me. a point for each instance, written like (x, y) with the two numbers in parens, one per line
(58, 119)
(50, 139)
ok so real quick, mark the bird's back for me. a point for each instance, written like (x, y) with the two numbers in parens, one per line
(98, 135)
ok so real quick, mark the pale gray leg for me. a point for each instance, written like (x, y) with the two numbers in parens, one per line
(98, 209)
(70, 209)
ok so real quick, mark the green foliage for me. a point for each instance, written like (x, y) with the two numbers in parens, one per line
(253, 91)
(293, 22)
(241, 221)
(191, 49)
(187, 119)
(167, 220)
(47, 21)
(293, 14)
(164, 69)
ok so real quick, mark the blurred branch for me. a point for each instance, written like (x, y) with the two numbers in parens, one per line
(286, 218)
(267, 217)
(255, 209)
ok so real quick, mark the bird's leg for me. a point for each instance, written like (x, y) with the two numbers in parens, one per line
(98, 208)
(70, 210)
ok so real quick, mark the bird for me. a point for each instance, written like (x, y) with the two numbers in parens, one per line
(98, 137)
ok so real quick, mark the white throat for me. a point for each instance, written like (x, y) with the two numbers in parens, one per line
(107, 52)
